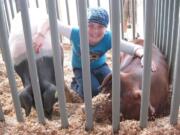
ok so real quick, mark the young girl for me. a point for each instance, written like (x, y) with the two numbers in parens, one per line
(99, 44)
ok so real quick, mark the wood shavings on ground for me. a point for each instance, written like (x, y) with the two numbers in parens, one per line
(75, 113)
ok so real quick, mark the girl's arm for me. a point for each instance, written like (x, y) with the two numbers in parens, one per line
(131, 48)
(136, 50)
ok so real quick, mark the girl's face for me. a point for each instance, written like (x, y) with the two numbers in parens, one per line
(96, 32)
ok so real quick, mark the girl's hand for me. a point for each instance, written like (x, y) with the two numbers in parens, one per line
(140, 52)
(38, 40)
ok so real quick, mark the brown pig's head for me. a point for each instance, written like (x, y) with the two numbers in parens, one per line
(130, 95)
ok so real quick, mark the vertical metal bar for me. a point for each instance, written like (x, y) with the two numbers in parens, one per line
(57, 61)
(17, 5)
(88, 3)
(175, 102)
(1, 114)
(84, 45)
(77, 11)
(156, 20)
(161, 24)
(57, 9)
(31, 60)
(169, 29)
(67, 11)
(28, 4)
(122, 20)
(164, 36)
(12, 9)
(98, 3)
(158, 23)
(8, 63)
(144, 9)
(7, 14)
(58, 15)
(37, 3)
(110, 14)
(133, 18)
(149, 29)
(115, 6)
(174, 35)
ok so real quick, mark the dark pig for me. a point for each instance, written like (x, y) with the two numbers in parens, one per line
(44, 62)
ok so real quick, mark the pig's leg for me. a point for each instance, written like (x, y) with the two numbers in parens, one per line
(26, 96)
(26, 99)
(47, 82)
(48, 98)
(151, 112)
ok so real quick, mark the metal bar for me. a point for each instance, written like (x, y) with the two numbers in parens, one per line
(144, 9)
(122, 20)
(161, 24)
(8, 63)
(156, 15)
(37, 3)
(149, 29)
(17, 5)
(28, 4)
(77, 11)
(57, 9)
(133, 19)
(59, 75)
(58, 15)
(98, 3)
(115, 6)
(174, 35)
(67, 11)
(1, 114)
(175, 102)
(84, 45)
(7, 15)
(31, 60)
(12, 9)
(158, 23)
(110, 10)
(88, 3)
(169, 29)
(164, 36)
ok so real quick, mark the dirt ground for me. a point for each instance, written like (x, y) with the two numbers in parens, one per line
(76, 116)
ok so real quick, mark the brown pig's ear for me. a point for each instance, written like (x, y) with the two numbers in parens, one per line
(106, 84)
(107, 79)
(124, 75)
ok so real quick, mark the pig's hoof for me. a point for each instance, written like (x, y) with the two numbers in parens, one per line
(152, 117)
(48, 115)
(26, 102)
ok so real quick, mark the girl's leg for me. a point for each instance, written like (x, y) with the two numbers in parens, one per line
(102, 72)
(77, 83)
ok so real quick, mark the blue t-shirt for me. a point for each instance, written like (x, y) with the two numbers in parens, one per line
(97, 52)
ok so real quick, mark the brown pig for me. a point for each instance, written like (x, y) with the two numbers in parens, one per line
(131, 82)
